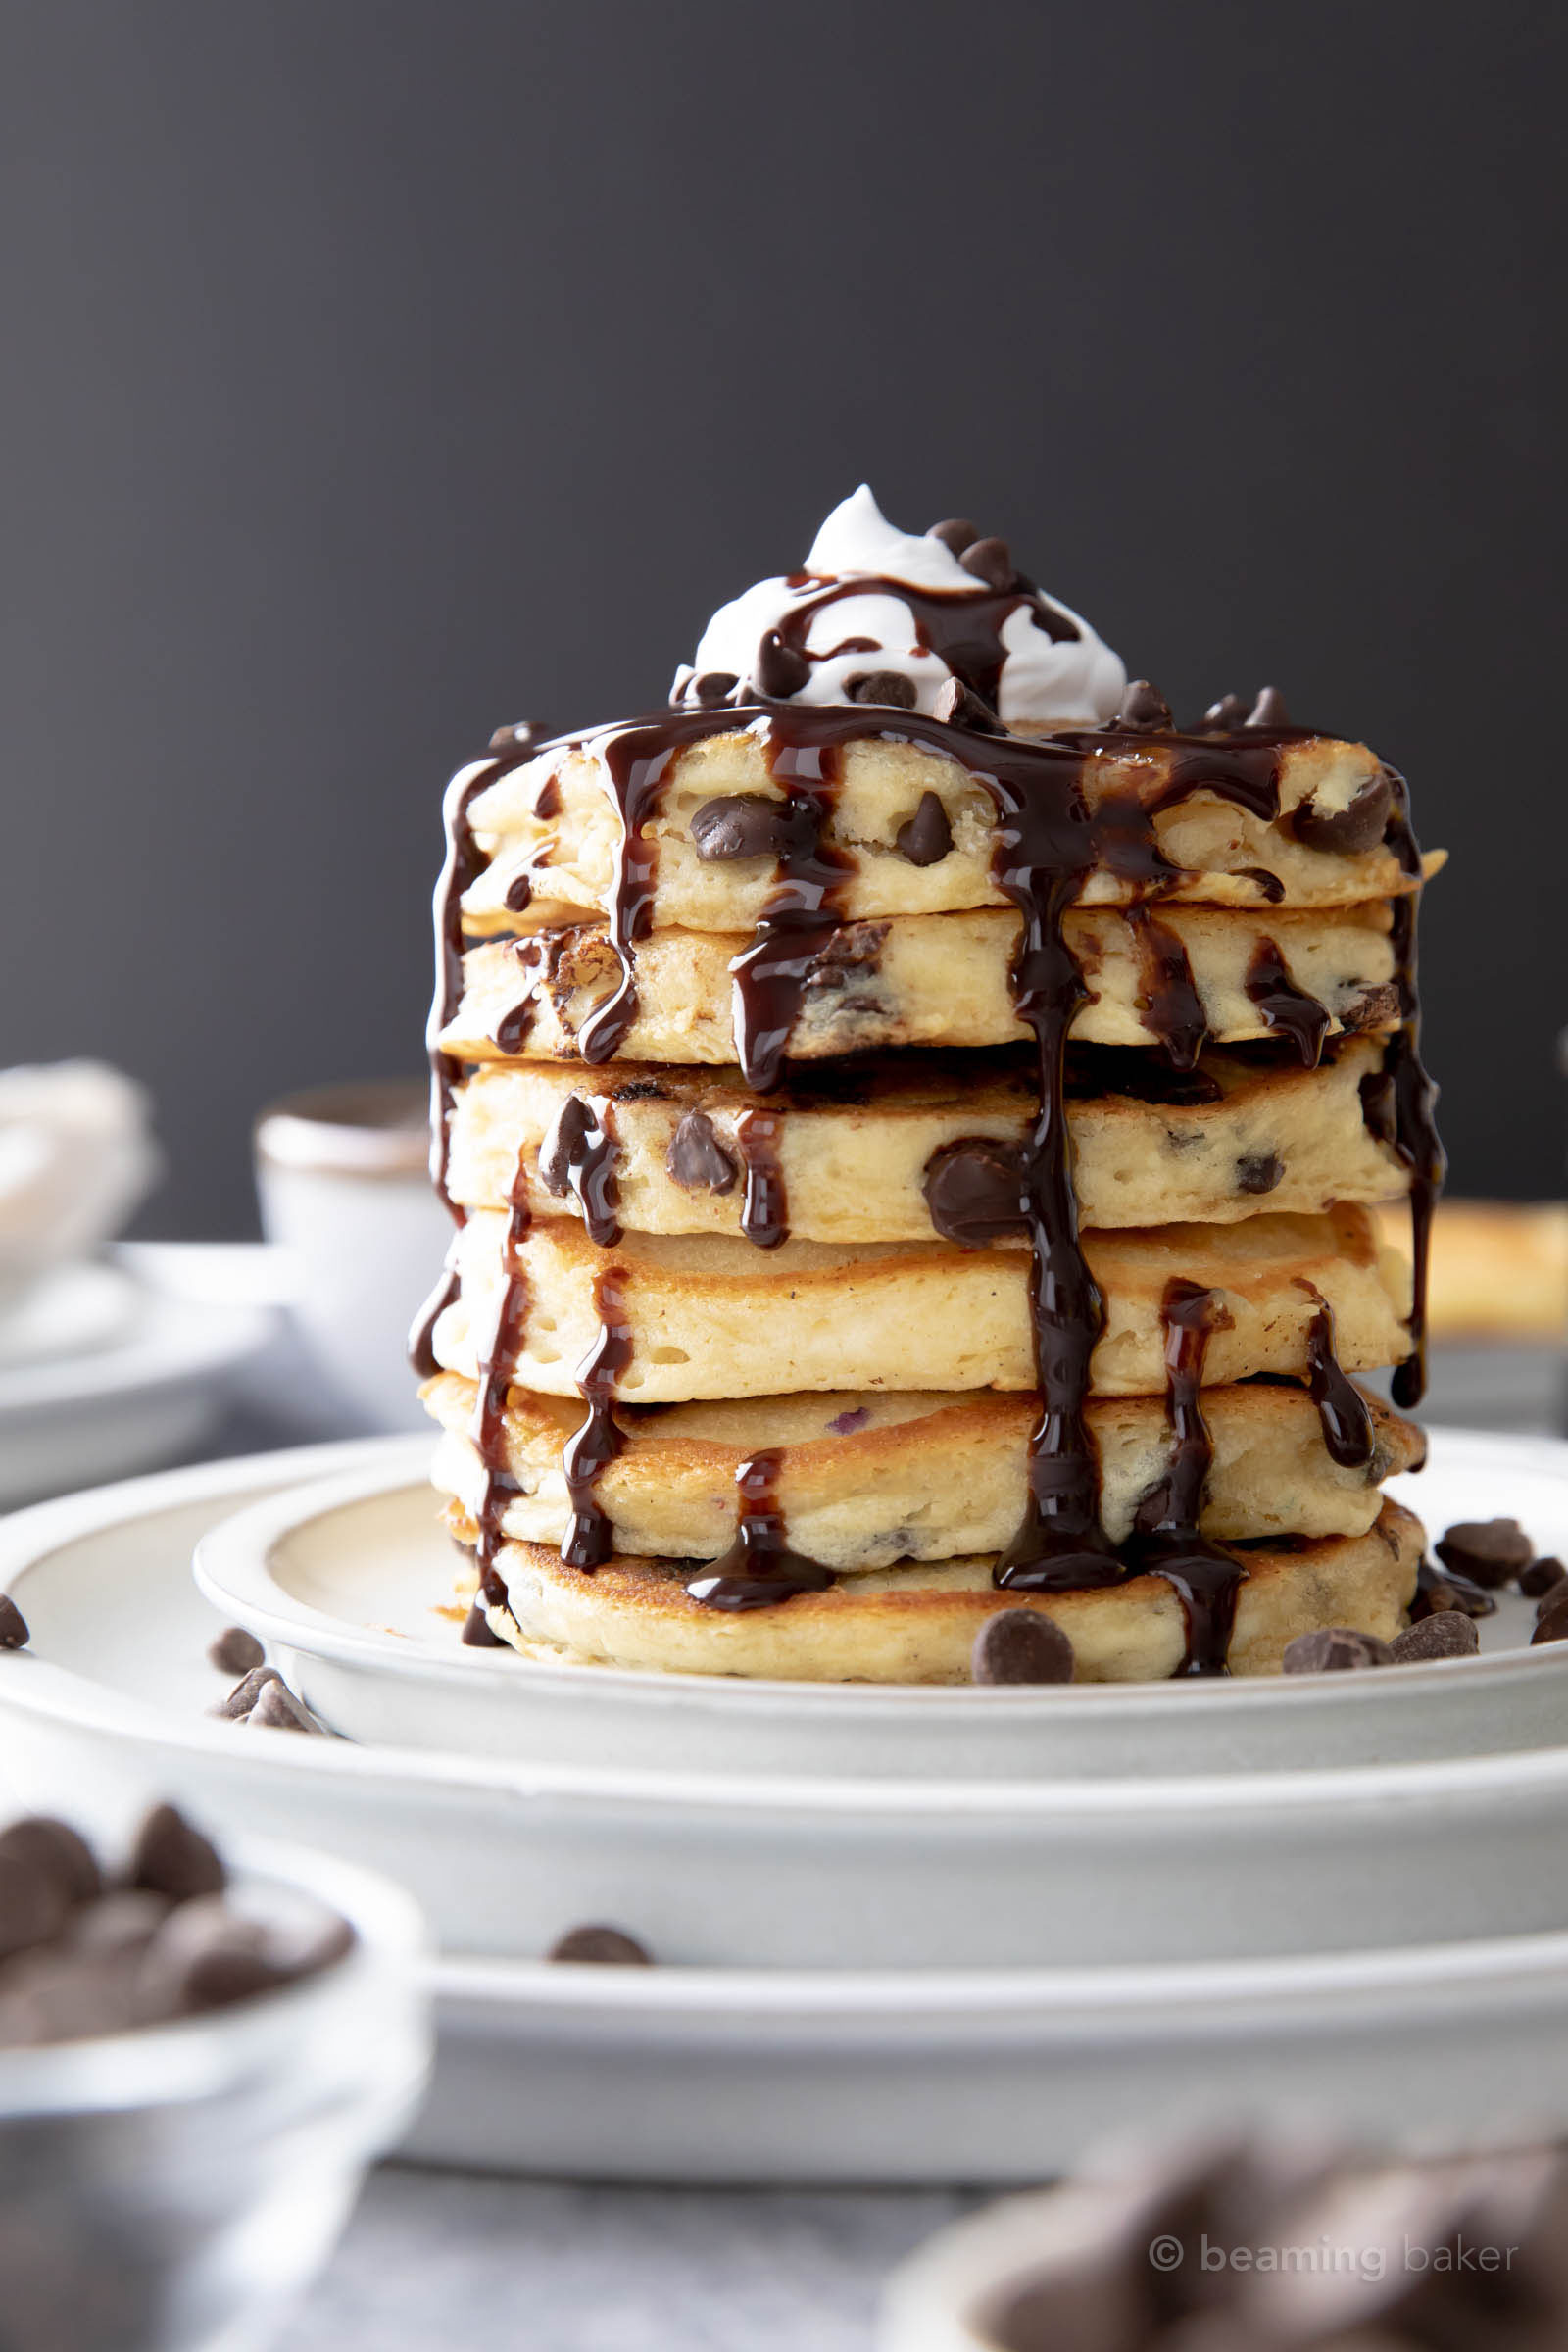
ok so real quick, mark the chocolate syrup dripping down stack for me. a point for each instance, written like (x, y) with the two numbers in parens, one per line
(905, 1169)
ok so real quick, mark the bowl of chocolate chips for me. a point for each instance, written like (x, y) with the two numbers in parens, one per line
(199, 2057)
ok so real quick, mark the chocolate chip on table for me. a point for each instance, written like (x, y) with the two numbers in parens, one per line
(1259, 1171)
(1022, 1646)
(1334, 1649)
(204, 1956)
(926, 837)
(53, 1847)
(889, 686)
(14, 1634)
(779, 670)
(1269, 710)
(1345, 832)
(605, 1946)
(955, 534)
(1541, 1577)
(1143, 710)
(957, 706)
(1488, 1551)
(33, 1904)
(1224, 716)
(991, 560)
(172, 1858)
(1448, 1634)
(1452, 1591)
(278, 1710)
(235, 1651)
(696, 1160)
(240, 1700)
(1552, 1618)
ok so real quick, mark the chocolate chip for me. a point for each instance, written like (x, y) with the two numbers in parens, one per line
(955, 534)
(779, 670)
(125, 1921)
(235, 1651)
(240, 1700)
(50, 1845)
(1224, 716)
(1439, 1593)
(563, 1144)
(696, 1160)
(713, 686)
(1345, 832)
(991, 560)
(1488, 1551)
(1259, 1172)
(519, 738)
(14, 1634)
(889, 686)
(172, 1858)
(520, 894)
(205, 1956)
(1552, 1618)
(747, 824)
(278, 1710)
(1022, 1646)
(639, 1090)
(926, 837)
(1334, 1649)
(855, 1418)
(605, 1947)
(1269, 710)
(957, 706)
(1143, 710)
(1450, 1634)
(974, 1190)
(34, 1905)
(1541, 1577)
(477, 1633)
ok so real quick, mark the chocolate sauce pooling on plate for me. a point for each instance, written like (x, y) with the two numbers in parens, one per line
(759, 1570)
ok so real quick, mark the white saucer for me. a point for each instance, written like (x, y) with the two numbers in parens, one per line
(349, 1583)
(137, 1379)
(718, 1867)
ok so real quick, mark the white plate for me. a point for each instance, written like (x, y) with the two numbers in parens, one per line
(715, 1867)
(143, 1393)
(346, 1582)
(996, 2078)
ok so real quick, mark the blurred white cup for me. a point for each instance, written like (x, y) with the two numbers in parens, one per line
(342, 1178)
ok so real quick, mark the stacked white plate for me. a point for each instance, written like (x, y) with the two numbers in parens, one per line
(907, 1935)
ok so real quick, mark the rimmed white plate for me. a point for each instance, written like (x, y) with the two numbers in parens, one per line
(349, 1582)
(998, 2077)
(716, 1867)
(143, 1383)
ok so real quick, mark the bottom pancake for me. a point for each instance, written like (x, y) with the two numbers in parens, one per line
(917, 1625)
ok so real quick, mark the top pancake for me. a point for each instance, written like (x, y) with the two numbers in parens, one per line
(552, 830)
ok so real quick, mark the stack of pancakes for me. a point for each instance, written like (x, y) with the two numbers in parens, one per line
(907, 1171)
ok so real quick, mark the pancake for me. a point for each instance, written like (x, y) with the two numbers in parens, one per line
(926, 980)
(555, 825)
(709, 1316)
(864, 1479)
(917, 1625)
(851, 1149)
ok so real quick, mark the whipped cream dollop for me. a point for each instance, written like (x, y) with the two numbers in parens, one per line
(76, 1157)
(876, 613)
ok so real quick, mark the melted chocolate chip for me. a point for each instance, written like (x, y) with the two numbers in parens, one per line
(991, 560)
(1334, 1649)
(1143, 710)
(845, 1424)
(1446, 1635)
(1348, 831)
(714, 687)
(747, 824)
(926, 837)
(888, 686)
(1488, 1551)
(14, 1634)
(578, 1155)
(975, 1189)
(1259, 1172)
(779, 670)
(1270, 889)
(697, 1160)
(958, 705)
(1022, 1646)
(955, 534)
(639, 1090)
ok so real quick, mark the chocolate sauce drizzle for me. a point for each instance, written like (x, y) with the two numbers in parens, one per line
(759, 1570)
(961, 626)
(1342, 1409)
(764, 1204)
(1165, 1540)
(578, 1155)
(1048, 839)
(497, 1358)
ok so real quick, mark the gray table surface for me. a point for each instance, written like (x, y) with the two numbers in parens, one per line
(457, 2262)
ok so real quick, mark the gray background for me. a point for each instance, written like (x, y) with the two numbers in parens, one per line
(377, 373)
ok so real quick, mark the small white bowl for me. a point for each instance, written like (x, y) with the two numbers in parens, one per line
(177, 2187)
